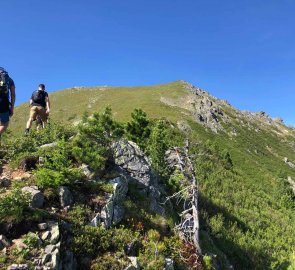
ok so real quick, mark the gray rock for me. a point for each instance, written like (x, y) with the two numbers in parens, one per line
(96, 221)
(131, 159)
(86, 171)
(49, 249)
(37, 198)
(46, 235)
(5, 182)
(55, 232)
(120, 188)
(133, 265)
(42, 226)
(4, 242)
(49, 145)
(169, 264)
(18, 267)
(107, 214)
(118, 214)
(65, 196)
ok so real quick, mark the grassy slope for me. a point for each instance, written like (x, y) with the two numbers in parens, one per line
(68, 105)
(249, 196)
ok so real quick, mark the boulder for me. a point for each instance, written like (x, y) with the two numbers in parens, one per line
(4, 242)
(65, 196)
(37, 197)
(169, 264)
(120, 188)
(5, 182)
(128, 156)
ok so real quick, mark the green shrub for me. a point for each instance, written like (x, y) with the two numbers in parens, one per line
(152, 256)
(109, 261)
(90, 241)
(138, 129)
(57, 169)
(14, 206)
(95, 135)
(157, 146)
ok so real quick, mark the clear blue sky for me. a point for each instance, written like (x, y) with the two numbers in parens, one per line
(242, 51)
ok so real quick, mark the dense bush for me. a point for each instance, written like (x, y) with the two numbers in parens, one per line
(14, 206)
(95, 134)
(57, 169)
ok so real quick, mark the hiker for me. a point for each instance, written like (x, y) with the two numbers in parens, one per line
(7, 99)
(40, 107)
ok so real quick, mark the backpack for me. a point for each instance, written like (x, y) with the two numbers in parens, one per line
(37, 96)
(4, 83)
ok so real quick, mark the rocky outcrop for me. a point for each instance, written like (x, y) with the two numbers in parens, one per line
(65, 196)
(37, 197)
(132, 160)
(113, 212)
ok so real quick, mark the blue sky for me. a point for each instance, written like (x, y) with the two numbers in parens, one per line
(241, 51)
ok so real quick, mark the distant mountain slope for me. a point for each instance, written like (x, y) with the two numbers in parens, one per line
(250, 205)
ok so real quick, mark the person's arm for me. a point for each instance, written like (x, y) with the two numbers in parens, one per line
(31, 102)
(12, 95)
(47, 104)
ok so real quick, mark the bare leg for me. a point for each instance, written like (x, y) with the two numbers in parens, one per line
(3, 127)
(29, 123)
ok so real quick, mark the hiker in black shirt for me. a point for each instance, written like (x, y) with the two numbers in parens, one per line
(40, 106)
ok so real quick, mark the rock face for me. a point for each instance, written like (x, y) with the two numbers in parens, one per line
(37, 198)
(65, 196)
(113, 212)
(135, 165)
(129, 156)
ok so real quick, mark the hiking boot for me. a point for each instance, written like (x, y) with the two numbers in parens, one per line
(26, 131)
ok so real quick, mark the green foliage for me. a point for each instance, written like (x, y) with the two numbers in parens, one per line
(208, 263)
(19, 145)
(95, 134)
(79, 215)
(14, 206)
(138, 129)
(152, 257)
(110, 261)
(157, 146)
(57, 169)
(89, 241)
(32, 240)
(3, 258)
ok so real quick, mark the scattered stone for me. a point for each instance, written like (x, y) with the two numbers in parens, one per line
(169, 264)
(18, 267)
(49, 145)
(86, 171)
(42, 226)
(37, 198)
(134, 264)
(65, 196)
